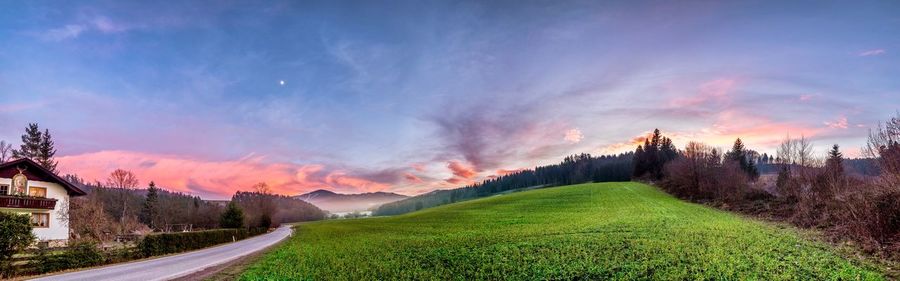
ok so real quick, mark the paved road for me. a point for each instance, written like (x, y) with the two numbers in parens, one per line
(170, 267)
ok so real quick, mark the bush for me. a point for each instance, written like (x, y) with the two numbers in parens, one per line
(233, 217)
(15, 236)
(75, 256)
(167, 243)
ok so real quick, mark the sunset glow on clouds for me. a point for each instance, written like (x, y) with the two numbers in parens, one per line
(355, 97)
(216, 177)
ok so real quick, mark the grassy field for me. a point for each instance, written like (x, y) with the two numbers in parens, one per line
(590, 231)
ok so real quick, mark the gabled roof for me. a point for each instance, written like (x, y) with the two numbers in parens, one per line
(35, 169)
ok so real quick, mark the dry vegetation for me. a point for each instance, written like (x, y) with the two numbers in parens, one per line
(808, 191)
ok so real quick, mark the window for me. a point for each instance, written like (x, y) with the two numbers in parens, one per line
(4, 189)
(40, 220)
(37, 191)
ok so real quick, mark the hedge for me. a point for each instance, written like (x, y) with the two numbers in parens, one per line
(168, 243)
(75, 256)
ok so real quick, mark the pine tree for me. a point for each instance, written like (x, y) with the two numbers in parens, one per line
(739, 154)
(31, 143)
(233, 217)
(640, 166)
(653, 153)
(835, 162)
(150, 211)
(47, 152)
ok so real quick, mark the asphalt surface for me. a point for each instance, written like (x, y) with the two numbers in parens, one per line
(170, 267)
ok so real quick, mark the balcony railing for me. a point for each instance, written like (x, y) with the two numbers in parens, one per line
(27, 202)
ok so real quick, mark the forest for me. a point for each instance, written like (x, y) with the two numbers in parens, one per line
(573, 169)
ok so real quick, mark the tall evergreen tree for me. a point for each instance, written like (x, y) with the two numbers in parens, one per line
(31, 143)
(640, 162)
(150, 211)
(739, 154)
(653, 153)
(47, 152)
(835, 162)
(233, 217)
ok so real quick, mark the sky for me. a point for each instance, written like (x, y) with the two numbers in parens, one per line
(411, 96)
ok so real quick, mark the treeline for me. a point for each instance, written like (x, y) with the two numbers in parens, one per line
(856, 200)
(108, 211)
(572, 170)
(115, 208)
(269, 210)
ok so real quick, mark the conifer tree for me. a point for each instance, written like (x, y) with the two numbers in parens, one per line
(233, 217)
(31, 143)
(835, 162)
(150, 210)
(653, 162)
(640, 165)
(738, 154)
(37, 146)
(47, 152)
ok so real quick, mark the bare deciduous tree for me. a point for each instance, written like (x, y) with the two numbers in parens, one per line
(797, 151)
(5, 151)
(884, 145)
(124, 180)
(262, 188)
(87, 219)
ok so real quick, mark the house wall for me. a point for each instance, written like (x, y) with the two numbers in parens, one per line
(59, 228)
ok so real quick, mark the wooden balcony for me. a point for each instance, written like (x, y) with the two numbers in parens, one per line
(27, 202)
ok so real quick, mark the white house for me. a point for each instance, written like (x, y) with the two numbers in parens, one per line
(27, 188)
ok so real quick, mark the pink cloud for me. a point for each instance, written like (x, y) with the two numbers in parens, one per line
(418, 167)
(573, 136)
(715, 90)
(625, 146)
(412, 178)
(806, 97)
(873, 52)
(503, 172)
(840, 123)
(215, 178)
(455, 180)
(461, 170)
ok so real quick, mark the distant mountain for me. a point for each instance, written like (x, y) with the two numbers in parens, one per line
(339, 203)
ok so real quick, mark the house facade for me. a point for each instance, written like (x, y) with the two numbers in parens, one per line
(29, 189)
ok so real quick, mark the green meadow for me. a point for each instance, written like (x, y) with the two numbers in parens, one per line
(623, 231)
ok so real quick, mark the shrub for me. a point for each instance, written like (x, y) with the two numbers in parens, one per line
(15, 236)
(75, 256)
(167, 243)
(233, 217)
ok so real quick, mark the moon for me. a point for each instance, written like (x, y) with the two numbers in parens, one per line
(281, 82)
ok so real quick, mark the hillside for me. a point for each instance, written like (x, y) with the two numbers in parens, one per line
(573, 169)
(338, 203)
(588, 231)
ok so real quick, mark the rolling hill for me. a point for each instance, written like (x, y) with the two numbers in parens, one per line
(594, 231)
(340, 203)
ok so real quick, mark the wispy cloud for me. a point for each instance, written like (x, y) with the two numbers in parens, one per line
(62, 33)
(839, 123)
(711, 91)
(873, 52)
(74, 30)
(412, 178)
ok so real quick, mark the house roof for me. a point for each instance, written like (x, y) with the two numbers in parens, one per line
(35, 170)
